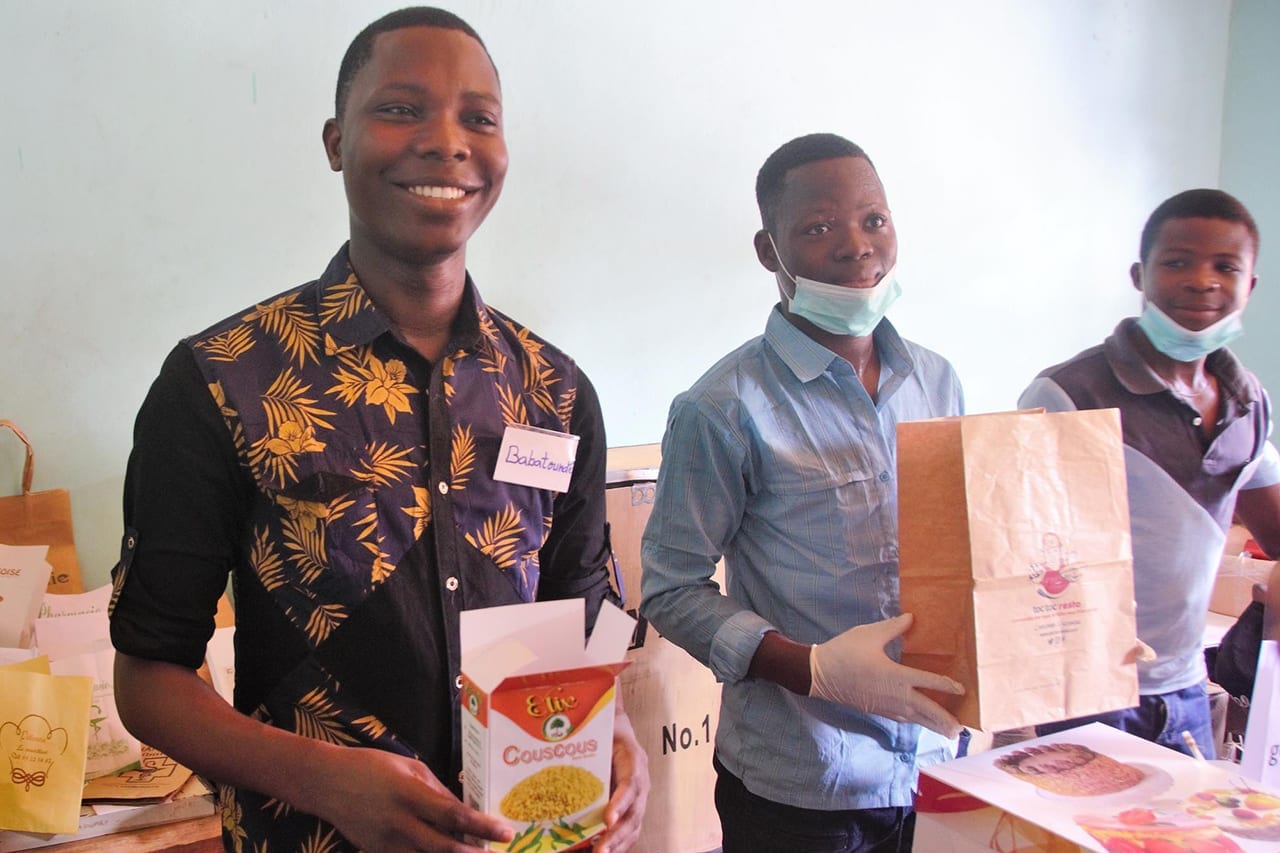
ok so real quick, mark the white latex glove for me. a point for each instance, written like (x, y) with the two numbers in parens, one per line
(853, 669)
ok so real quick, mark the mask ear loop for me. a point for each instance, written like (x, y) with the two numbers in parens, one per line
(785, 271)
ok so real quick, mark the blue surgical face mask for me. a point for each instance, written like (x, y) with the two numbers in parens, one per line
(841, 310)
(1183, 344)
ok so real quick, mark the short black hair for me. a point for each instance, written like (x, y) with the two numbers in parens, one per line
(797, 152)
(360, 50)
(1197, 204)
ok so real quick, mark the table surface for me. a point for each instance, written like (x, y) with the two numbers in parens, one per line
(196, 835)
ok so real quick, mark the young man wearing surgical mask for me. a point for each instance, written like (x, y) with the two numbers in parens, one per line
(781, 459)
(1195, 427)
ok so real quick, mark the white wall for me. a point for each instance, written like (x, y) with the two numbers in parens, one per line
(1250, 170)
(161, 167)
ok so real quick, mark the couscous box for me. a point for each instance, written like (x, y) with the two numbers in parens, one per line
(537, 719)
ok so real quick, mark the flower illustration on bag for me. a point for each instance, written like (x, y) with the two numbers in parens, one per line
(1052, 574)
(32, 746)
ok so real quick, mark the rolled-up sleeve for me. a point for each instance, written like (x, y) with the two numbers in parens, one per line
(186, 499)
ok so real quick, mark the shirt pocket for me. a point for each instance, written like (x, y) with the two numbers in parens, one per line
(798, 459)
(321, 483)
(325, 537)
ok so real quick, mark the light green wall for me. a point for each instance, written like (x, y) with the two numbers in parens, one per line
(161, 168)
(1251, 169)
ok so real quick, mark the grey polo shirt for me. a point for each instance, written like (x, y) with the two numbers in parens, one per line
(1182, 485)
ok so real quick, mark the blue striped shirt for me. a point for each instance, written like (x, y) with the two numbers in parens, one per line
(778, 460)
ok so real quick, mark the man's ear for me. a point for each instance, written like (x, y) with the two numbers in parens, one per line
(332, 137)
(765, 251)
(1135, 275)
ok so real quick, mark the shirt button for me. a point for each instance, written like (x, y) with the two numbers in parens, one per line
(1197, 421)
(905, 757)
(884, 476)
(451, 584)
(457, 682)
(443, 487)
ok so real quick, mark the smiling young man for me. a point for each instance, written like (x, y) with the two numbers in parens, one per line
(1195, 426)
(333, 449)
(781, 459)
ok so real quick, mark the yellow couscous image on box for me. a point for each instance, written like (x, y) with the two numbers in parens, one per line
(551, 793)
(537, 722)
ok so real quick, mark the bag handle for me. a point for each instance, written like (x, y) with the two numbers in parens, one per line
(28, 469)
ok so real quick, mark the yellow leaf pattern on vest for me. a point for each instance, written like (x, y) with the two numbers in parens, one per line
(326, 843)
(462, 456)
(229, 415)
(499, 537)
(539, 375)
(338, 508)
(511, 403)
(231, 817)
(316, 717)
(306, 543)
(384, 464)
(265, 562)
(381, 384)
(292, 420)
(324, 620)
(229, 345)
(291, 325)
(343, 301)
(382, 567)
(371, 726)
(420, 512)
(564, 405)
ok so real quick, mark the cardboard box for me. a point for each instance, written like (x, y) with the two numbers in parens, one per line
(1093, 788)
(537, 722)
(673, 700)
(1237, 573)
(1233, 587)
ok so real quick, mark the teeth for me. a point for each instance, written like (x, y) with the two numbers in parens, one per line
(437, 192)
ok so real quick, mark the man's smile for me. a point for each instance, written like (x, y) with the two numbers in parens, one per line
(436, 191)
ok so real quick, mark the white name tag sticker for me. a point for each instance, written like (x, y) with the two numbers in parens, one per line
(540, 458)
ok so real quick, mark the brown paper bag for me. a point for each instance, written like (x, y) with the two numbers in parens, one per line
(1016, 561)
(42, 518)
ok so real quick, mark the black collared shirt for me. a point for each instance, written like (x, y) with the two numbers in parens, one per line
(344, 483)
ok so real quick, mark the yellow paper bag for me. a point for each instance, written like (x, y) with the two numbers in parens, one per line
(38, 664)
(44, 726)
